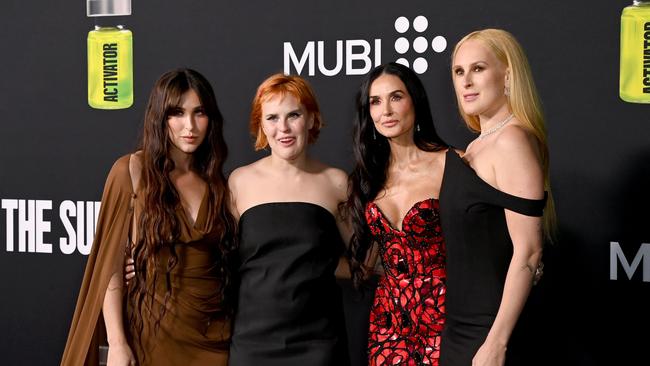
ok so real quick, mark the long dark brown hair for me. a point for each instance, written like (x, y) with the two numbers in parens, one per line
(158, 226)
(372, 156)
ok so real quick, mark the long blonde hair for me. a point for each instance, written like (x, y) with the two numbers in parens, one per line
(523, 102)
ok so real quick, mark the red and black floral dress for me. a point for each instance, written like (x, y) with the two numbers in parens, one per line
(408, 312)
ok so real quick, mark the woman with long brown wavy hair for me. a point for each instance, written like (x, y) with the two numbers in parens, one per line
(167, 206)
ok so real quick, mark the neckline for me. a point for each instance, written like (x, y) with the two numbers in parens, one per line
(199, 215)
(309, 204)
(408, 213)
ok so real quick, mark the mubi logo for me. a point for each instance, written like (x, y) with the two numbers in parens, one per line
(355, 50)
(359, 56)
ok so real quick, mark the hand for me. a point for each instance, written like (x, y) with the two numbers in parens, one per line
(490, 354)
(120, 355)
(539, 272)
(129, 270)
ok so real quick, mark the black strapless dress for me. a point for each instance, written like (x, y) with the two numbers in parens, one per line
(289, 309)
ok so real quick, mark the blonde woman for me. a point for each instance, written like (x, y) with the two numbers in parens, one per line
(495, 200)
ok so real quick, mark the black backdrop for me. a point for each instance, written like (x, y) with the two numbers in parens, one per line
(55, 150)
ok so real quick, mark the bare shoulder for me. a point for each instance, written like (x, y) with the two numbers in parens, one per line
(243, 183)
(438, 155)
(517, 164)
(135, 168)
(135, 159)
(435, 160)
(337, 178)
(138, 155)
(515, 138)
(335, 190)
(244, 174)
(237, 175)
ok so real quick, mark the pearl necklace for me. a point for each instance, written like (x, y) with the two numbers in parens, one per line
(496, 128)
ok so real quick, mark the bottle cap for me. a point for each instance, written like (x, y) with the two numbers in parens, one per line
(102, 8)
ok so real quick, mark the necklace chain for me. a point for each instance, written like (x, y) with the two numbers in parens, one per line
(496, 128)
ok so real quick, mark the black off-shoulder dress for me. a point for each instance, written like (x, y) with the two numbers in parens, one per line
(479, 250)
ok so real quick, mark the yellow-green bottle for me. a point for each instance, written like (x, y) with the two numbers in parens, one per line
(110, 56)
(635, 53)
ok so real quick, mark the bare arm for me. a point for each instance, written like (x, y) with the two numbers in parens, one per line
(343, 223)
(232, 203)
(343, 268)
(119, 352)
(238, 183)
(112, 309)
(518, 171)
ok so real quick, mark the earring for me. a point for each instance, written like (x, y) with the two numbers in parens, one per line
(417, 127)
(374, 134)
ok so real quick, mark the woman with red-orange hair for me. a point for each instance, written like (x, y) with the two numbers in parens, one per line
(289, 309)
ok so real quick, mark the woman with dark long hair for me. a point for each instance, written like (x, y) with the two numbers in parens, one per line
(393, 208)
(165, 205)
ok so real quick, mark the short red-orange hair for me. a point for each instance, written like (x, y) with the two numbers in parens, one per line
(280, 84)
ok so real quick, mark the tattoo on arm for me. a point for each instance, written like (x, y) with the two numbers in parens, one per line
(530, 268)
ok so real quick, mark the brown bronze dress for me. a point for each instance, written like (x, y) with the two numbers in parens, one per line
(194, 329)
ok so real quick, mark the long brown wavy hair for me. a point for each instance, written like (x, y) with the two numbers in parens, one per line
(157, 226)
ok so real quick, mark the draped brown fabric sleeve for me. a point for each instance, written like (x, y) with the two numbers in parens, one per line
(106, 257)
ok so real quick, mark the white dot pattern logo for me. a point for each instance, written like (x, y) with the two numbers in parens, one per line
(402, 61)
(402, 45)
(401, 24)
(439, 44)
(420, 65)
(420, 23)
(420, 42)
